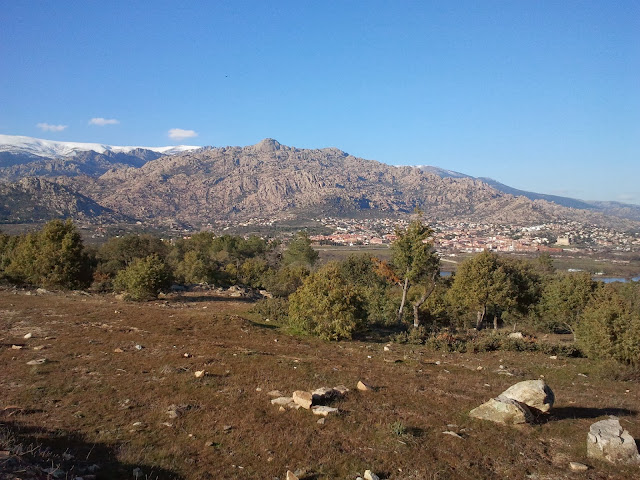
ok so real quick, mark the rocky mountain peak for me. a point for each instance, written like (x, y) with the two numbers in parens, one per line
(268, 145)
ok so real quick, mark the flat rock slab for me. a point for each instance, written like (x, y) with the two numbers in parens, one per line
(503, 410)
(608, 441)
(323, 410)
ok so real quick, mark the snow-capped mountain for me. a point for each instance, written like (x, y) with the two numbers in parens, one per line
(19, 145)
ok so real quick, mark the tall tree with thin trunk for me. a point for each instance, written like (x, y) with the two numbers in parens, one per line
(417, 264)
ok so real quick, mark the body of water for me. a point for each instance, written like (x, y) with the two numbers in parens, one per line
(615, 279)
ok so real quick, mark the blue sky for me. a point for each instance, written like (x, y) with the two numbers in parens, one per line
(540, 95)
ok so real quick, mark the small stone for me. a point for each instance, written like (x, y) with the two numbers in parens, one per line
(199, 373)
(479, 368)
(321, 421)
(386, 348)
(517, 335)
(275, 393)
(137, 424)
(16, 347)
(39, 347)
(554, 357)
(227, 428)
(28, 336)
(283, 401)
(369, 475)
(187, 355)
(304, 399)
(118, 350)
(363, 387)
(578, 467)
(258, 389)
(138, 347)
(282, 409)
(438, 362)
(291, 475)
(323, 410)
(39, 361)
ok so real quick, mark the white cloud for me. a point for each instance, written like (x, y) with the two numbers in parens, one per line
(103, 121)
(45, 127)
(180, 134)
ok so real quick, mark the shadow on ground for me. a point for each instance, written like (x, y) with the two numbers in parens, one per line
(36, 453)
(573, 413)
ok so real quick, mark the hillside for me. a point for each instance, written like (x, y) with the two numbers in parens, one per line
(118, 392)
(39, 199)
(270, 179)
(267, 180)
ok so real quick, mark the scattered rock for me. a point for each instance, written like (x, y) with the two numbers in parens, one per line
(28, 336)
(533, 393)
(304, 399)
(516, 335)
(138, 347)
(291, 475)
(275, 393)
(118, 350)
(16, 347)
(503, 410)
(39, 361)
(322, 394)
(369, 475)
(578, 467)
(39, 347)
(341, 390)
(479, 368)
(363, 387)
(285, 402)
(387, 348)
(608, 441)
(321, 421)
(323, 410)
(199, 373)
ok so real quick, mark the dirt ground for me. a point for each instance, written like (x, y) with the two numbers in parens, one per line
(117, 397)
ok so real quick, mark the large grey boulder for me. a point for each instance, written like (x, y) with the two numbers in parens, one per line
(503, 410)
(533, 393)
(608, 441)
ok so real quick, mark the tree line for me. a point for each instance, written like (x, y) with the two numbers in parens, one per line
(338, 300)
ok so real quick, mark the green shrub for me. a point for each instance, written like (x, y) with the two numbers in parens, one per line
(144, 278)
(414, 336)
(610, 326)
(275, 309)
(53, 257)
(327, 306)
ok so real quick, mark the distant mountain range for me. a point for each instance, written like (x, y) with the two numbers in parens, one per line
(43, 179)
(622, 210)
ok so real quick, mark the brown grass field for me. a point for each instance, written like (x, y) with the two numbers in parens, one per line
(98, 407)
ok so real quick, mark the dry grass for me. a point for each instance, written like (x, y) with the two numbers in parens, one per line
(86, 399)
